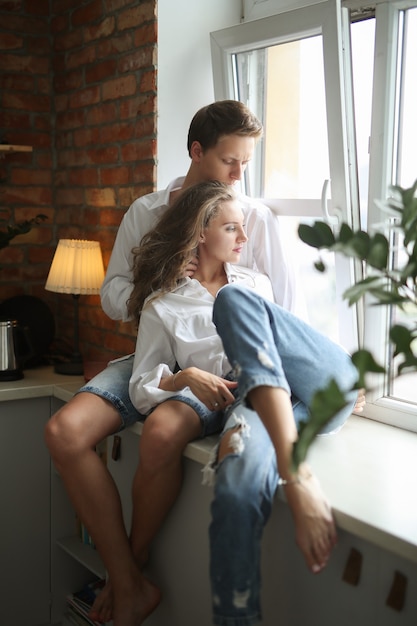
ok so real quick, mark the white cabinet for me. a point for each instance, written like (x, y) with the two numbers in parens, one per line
(42, 560)
(25, 513)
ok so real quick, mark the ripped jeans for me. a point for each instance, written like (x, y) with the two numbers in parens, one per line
(265, 345)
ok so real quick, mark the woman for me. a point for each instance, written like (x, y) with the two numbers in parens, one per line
(257, 387)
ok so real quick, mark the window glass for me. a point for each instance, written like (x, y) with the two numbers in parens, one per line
(404, 387)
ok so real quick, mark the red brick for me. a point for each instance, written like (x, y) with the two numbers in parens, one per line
(146, 34)
(68, 82)
(59, 24)
(101, 114)
(100, 197)
(40, 7)
(144, 172)
(81, 57)
(141, 58)
(115, 175)
(27, 195)
(83, 177)
(30, 177)
(115, 45)
(130, 18)
(104, 29)
(26, 102)
(99, 71)
(85, 97)
(117, 133)
(19, 24)
(88, 13)
(70, 120)
(68, 40)
(141, 105)
(9, 41)
(125, 86)
(139, 151)
(109, 217)
(148, 82)
(11, 6)
(14, 120)
(69, 197)
(38, 46)
(21, 63)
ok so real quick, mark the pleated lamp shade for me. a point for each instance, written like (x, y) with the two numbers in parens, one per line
(77, 268)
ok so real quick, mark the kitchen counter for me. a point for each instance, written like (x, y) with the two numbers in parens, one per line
(368, 470)
(40, 382)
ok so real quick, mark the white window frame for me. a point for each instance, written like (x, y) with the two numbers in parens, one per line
(382, 161)
(330, 19)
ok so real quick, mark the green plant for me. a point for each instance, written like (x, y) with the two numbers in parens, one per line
(20, 228)
(386, 283)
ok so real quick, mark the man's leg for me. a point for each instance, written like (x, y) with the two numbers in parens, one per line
(71, 436)
(158, 479)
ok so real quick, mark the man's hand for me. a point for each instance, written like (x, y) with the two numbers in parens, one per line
(191, 267)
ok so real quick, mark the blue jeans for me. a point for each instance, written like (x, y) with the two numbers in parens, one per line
(265, 345)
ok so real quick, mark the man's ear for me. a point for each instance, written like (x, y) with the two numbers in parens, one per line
(196, 151)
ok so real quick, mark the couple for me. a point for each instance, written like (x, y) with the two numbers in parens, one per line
(221, 140)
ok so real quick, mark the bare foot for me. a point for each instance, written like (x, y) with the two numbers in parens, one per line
(131, 608)
(314, 524)
(102, 609)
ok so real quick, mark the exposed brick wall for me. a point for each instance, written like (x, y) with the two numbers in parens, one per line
(79, 85)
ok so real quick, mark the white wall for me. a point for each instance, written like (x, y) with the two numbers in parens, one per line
(184, 73)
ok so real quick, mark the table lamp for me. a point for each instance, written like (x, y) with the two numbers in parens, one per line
(77, 268)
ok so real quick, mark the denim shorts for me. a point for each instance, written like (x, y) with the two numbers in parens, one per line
(112, 384)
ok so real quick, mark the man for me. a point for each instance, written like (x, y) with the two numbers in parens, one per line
(221, 141)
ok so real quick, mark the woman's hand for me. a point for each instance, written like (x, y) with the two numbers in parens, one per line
(212, 390)
(360, 401)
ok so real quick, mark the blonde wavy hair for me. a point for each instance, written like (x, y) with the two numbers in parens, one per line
(160, 260)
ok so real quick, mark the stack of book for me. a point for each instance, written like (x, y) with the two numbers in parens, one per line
(80, 603)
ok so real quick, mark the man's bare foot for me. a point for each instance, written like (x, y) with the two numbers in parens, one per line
(131, 609)
(102, 608)
(314, 524)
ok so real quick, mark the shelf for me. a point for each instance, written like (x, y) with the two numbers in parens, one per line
(14, 148)
(87, 556)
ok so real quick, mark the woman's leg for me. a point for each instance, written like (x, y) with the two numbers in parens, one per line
(264, 343)
(267, 345)
(245, 483)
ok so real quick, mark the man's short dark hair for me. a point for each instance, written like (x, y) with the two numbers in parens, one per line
(225, 117)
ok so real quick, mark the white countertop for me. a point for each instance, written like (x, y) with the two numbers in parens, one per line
(40, 382)
(368, 470)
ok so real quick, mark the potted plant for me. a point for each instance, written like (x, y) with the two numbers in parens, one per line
(387, 284)
(20, 228)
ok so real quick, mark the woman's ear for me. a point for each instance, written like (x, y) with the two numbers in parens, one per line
(202, 238)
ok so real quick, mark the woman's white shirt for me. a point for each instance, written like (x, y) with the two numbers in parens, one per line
(177, 327)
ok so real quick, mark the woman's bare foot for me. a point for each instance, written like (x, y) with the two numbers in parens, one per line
(314, 524)
(130, 609)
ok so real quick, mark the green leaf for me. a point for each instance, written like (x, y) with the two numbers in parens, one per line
(364, 363)
(378, 253)
(325, 404)
(319, 235)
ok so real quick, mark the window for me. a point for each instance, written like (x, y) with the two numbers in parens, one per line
(330, 115)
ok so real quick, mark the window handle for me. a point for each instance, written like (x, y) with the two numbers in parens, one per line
(336, 218)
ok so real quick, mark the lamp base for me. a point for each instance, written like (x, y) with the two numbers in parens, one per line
(70, 368)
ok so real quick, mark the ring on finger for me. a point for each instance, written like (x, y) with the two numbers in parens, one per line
(215, 404)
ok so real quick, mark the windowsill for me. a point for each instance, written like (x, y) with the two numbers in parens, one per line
(367, 470)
